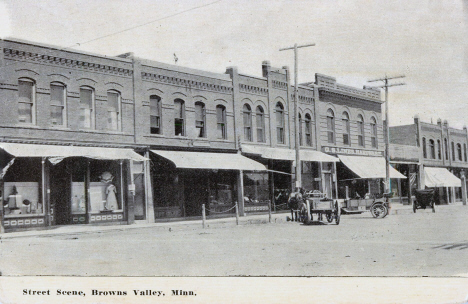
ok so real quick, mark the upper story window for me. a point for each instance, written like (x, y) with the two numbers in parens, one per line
(179, 117)
(432, 148)
(360, 125)
(424, 147)
(308, 130)
(87, 105)
(464, 152)
(247, 117)
(200, 119)
(300, 130)
(155, 114)
(114, 111)
(459, 150)
(374, 132)
(26, 101)
(439, 152)
(58, 97)
(331, 126)
(260, 119)
(221, 122)
(280, 123)
(346, 129)
(453, 150)
(446, 149)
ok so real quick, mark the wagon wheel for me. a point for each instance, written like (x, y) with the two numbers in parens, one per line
(330, 217)
(303, 214)
(378, 210)
(414, 207)
(337, 213)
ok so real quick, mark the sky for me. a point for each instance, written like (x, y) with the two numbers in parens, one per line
(356, 40)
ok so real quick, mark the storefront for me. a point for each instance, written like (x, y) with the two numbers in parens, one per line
(184, 181)
(46, 185)
(445, 183)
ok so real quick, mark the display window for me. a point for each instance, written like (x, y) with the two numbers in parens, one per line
(78, 188)
(256, 187)
(221, 189)
(22, 188)
(105, 186)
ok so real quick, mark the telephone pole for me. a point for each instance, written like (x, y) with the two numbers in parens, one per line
(386, 85)
(298, 182)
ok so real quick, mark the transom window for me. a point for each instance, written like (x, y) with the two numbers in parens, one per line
(260, 119)
(346, 129)
(58, 104)
(114, 108)
(280, 123)
(331, 126)
(87, 108)
(247, 117)
(200, 119)
(26, 101)
(221, 121)
(155, 114)
(179, 117)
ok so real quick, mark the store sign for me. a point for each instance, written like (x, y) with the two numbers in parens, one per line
(350, 151)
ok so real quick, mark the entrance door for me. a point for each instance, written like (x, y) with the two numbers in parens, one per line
(196, 193)
(60, 194)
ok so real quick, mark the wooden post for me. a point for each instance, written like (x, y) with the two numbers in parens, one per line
(203, 215)
(237, 214)
(269, 211)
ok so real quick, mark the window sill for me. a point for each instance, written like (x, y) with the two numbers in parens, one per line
(63, 128)
(28, 126)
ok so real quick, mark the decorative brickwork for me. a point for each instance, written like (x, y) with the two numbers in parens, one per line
(186, 83)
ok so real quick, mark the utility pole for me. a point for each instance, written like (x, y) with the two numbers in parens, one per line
(386, 85)
(296, 112)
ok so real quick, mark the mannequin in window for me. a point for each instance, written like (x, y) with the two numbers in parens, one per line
(111, 199)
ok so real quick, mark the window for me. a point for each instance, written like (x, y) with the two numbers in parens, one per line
(26, 101)
(346, 129)
(87, 108)
(179, 117)
(424, 147)
(331, 126)
(58, 104)
(360, 124)
(439, 152)
(280, 123)
(260, 117)
(453, 150)
(200, 119)
(374, 132)
(155, 114)
(464, 152)
(308, 130)
(114, 108)
(300, 130)
(459, 150)
(247, 115)
(446, 149)
(432, 148)
(221, 121)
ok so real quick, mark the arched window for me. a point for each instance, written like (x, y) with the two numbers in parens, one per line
(247, 114)
(424, 147)
(155, 114)
(221, 121)
(300, 130)
(114, 108)
(432, 148)
(346, 129)
(308, 130)
(87, 105)
(453, 150)
(439, 152)
(260, 119)
(179, 117)
(459, 150)
(331, 126)
(374, 132)
(280, 123)
(58, 104)
(360, 124)
(446, 149)
(200, 119)
(26, 101)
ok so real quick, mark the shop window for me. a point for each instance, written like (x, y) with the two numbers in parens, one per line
(432, 148)
(221, 189)
(424, 147)
(331, 126)
(58, 104)
(256, 187)
(247, 117)
(114, 110)
(221, 121)
(374, 133)
(260, 119)
(439, 152)
(155, 114)
(87, 108)
(26, 101)
(459, 150)
(446, 149)
(464, 152)
(179, 117)
(22, 188)
(346, 129)
(280, 123)
(105, 187)
(308, 130)
(300, 130)
(360, 124)
(200, 117)
(78, 169)
(453, 151)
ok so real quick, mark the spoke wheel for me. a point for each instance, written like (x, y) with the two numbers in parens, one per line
(379, 210)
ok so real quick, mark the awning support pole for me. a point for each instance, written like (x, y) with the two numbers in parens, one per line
(463, 179)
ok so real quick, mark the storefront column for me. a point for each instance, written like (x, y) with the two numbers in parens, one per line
(335, 180)
(124, 188)
(148, 190)
(421, 181)
(453, 195)
(408, 183)
(463, 184)
(49, 215)
(240, 192)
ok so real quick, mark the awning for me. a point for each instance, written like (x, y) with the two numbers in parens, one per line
(288, 154)
(369, 167)
(205, 160)
(56, 153)
(440, 177)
